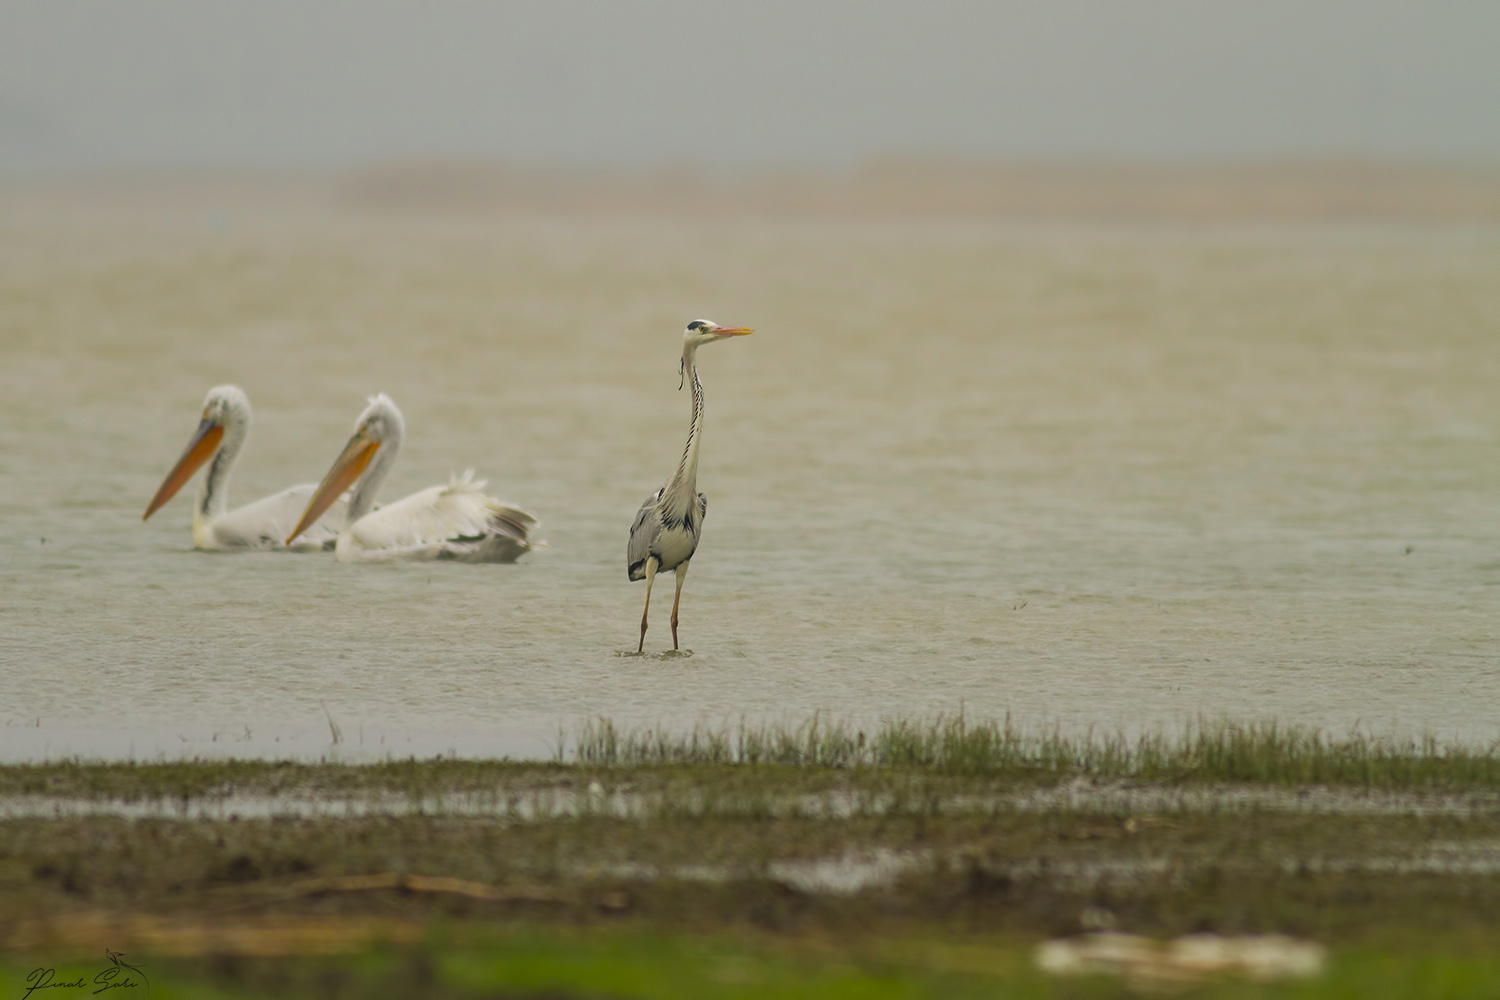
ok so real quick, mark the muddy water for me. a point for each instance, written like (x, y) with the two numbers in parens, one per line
(1110, 477)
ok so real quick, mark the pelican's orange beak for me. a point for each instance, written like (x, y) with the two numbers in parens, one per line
(199, 450)
(346, 469)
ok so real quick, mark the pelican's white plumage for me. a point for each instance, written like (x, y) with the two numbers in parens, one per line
(456, 521)
(221, 435)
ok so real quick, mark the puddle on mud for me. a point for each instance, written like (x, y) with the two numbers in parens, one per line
(538, 802)
(839, 875)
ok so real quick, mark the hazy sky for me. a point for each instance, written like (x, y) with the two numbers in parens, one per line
(181, 83)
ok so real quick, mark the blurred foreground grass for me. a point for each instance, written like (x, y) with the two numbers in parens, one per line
(916, 860)
(534, 962)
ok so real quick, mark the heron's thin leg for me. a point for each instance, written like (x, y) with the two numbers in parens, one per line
(681, 575)
(651, 565)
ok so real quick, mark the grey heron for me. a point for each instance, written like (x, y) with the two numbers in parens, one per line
(666, 530)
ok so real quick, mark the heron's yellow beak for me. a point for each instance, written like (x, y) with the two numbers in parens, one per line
(204, 443)
(346, 469)
(734, 331)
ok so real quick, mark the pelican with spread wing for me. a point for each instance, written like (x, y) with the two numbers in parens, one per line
(666, 529)
(456, 521)
(221, 436)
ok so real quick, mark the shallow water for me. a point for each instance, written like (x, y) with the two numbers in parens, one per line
(1110, 477)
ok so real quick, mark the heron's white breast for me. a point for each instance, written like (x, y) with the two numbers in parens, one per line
(674, 545)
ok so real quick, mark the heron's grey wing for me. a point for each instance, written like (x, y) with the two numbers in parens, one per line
(642, 533)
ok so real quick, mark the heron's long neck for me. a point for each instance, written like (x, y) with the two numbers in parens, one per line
(682, 490)
(213, 494)
(363, 500)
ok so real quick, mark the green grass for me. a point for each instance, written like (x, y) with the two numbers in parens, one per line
(525, 961)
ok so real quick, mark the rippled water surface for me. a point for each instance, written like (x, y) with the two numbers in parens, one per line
(1089, 477)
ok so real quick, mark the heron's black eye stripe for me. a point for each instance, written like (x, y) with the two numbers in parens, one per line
(695, 325)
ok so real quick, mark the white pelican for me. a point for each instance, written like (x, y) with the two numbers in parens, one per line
(221, 434)
(666, 529)
(456, 521)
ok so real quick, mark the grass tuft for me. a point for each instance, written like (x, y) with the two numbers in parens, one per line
(1260, 753)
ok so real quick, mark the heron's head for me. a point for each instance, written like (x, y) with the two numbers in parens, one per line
(706, 331)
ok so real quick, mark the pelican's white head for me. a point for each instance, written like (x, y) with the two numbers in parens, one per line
(227, 406)
(381, 421)
(224, 428)
(376, 442)
(706, 331)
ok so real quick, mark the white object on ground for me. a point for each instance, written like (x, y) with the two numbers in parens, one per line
(1198, 956)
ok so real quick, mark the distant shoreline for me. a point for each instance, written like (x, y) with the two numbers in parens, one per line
(1277, 192)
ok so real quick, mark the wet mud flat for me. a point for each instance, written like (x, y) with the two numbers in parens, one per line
(228, 871)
